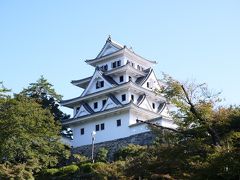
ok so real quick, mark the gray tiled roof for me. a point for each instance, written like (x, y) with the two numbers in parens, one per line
(141, 98)
(114, 99)
(109, 79)
(98, 112)
(88, 108)
(142, 79)
(79, 80)
(161, 107)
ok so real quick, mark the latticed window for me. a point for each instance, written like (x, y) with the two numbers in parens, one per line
(121, 79)
(119, 122)
(119, 63)
(102, 126)
(114, 64)
(97, 127)
(104, 102)
(99, 84)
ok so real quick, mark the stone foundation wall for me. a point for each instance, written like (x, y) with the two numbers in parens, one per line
(113, 146)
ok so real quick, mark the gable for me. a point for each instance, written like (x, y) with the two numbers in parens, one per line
(97, 83)
(151, 81)
(165, 111)
(145, 105)
(111, 103)
(109, 48)
(81, 112)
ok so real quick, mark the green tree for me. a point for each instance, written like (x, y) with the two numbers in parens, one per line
(43, 93)
(3, 90)
(29, 136)
(102, 155)
(204, 146)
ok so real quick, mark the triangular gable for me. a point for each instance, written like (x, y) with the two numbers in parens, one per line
(151, 80)
(145, 104)
(82, 112)
(111, 103)
(91, 88)
(165, 111)
(109, 48)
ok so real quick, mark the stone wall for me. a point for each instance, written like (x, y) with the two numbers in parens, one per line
(112, 146)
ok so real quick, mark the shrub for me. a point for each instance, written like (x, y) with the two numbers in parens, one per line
(11, 171)
(86, 168)
(102, 155)
(113, 170)
(68, 169)
(129, 151)
(51, 172)
(78, 158)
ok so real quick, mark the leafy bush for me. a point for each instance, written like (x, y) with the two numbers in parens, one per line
(113, 170)
(68, 169)
(78, 158)
(50, 172)
(102, 155)
(86, 168)
(10, 171)
(60, 173)
(129, 151)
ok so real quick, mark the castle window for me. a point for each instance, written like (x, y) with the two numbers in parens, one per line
(132, 64)
(150, 85)
(132, 97)
(138, 67)
(114, 64)
(119, 63)
(153, 105)
(124, 97)
(77, 109)
(102, 126)
(95, 105)
(105, 68)
(121, 79)
(119, 122)
(130, 78)
(104, 102)
(82, 131)
(97, 127)
(99, 84)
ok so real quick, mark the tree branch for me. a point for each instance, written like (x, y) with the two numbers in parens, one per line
(211, 131)
(157, 125)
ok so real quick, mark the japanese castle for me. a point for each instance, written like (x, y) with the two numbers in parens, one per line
(120, 92)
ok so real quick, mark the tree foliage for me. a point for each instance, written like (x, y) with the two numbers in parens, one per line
(3, 90)
(43, 93)
(102, 155)
(29, 135)
(204, 146)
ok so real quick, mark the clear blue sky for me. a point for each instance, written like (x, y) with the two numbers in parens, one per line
(190, 40)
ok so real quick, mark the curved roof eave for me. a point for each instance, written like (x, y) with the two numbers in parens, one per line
(83, 118)
(124, 49)
(131, 52)
(95, 60)
(74, 100)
